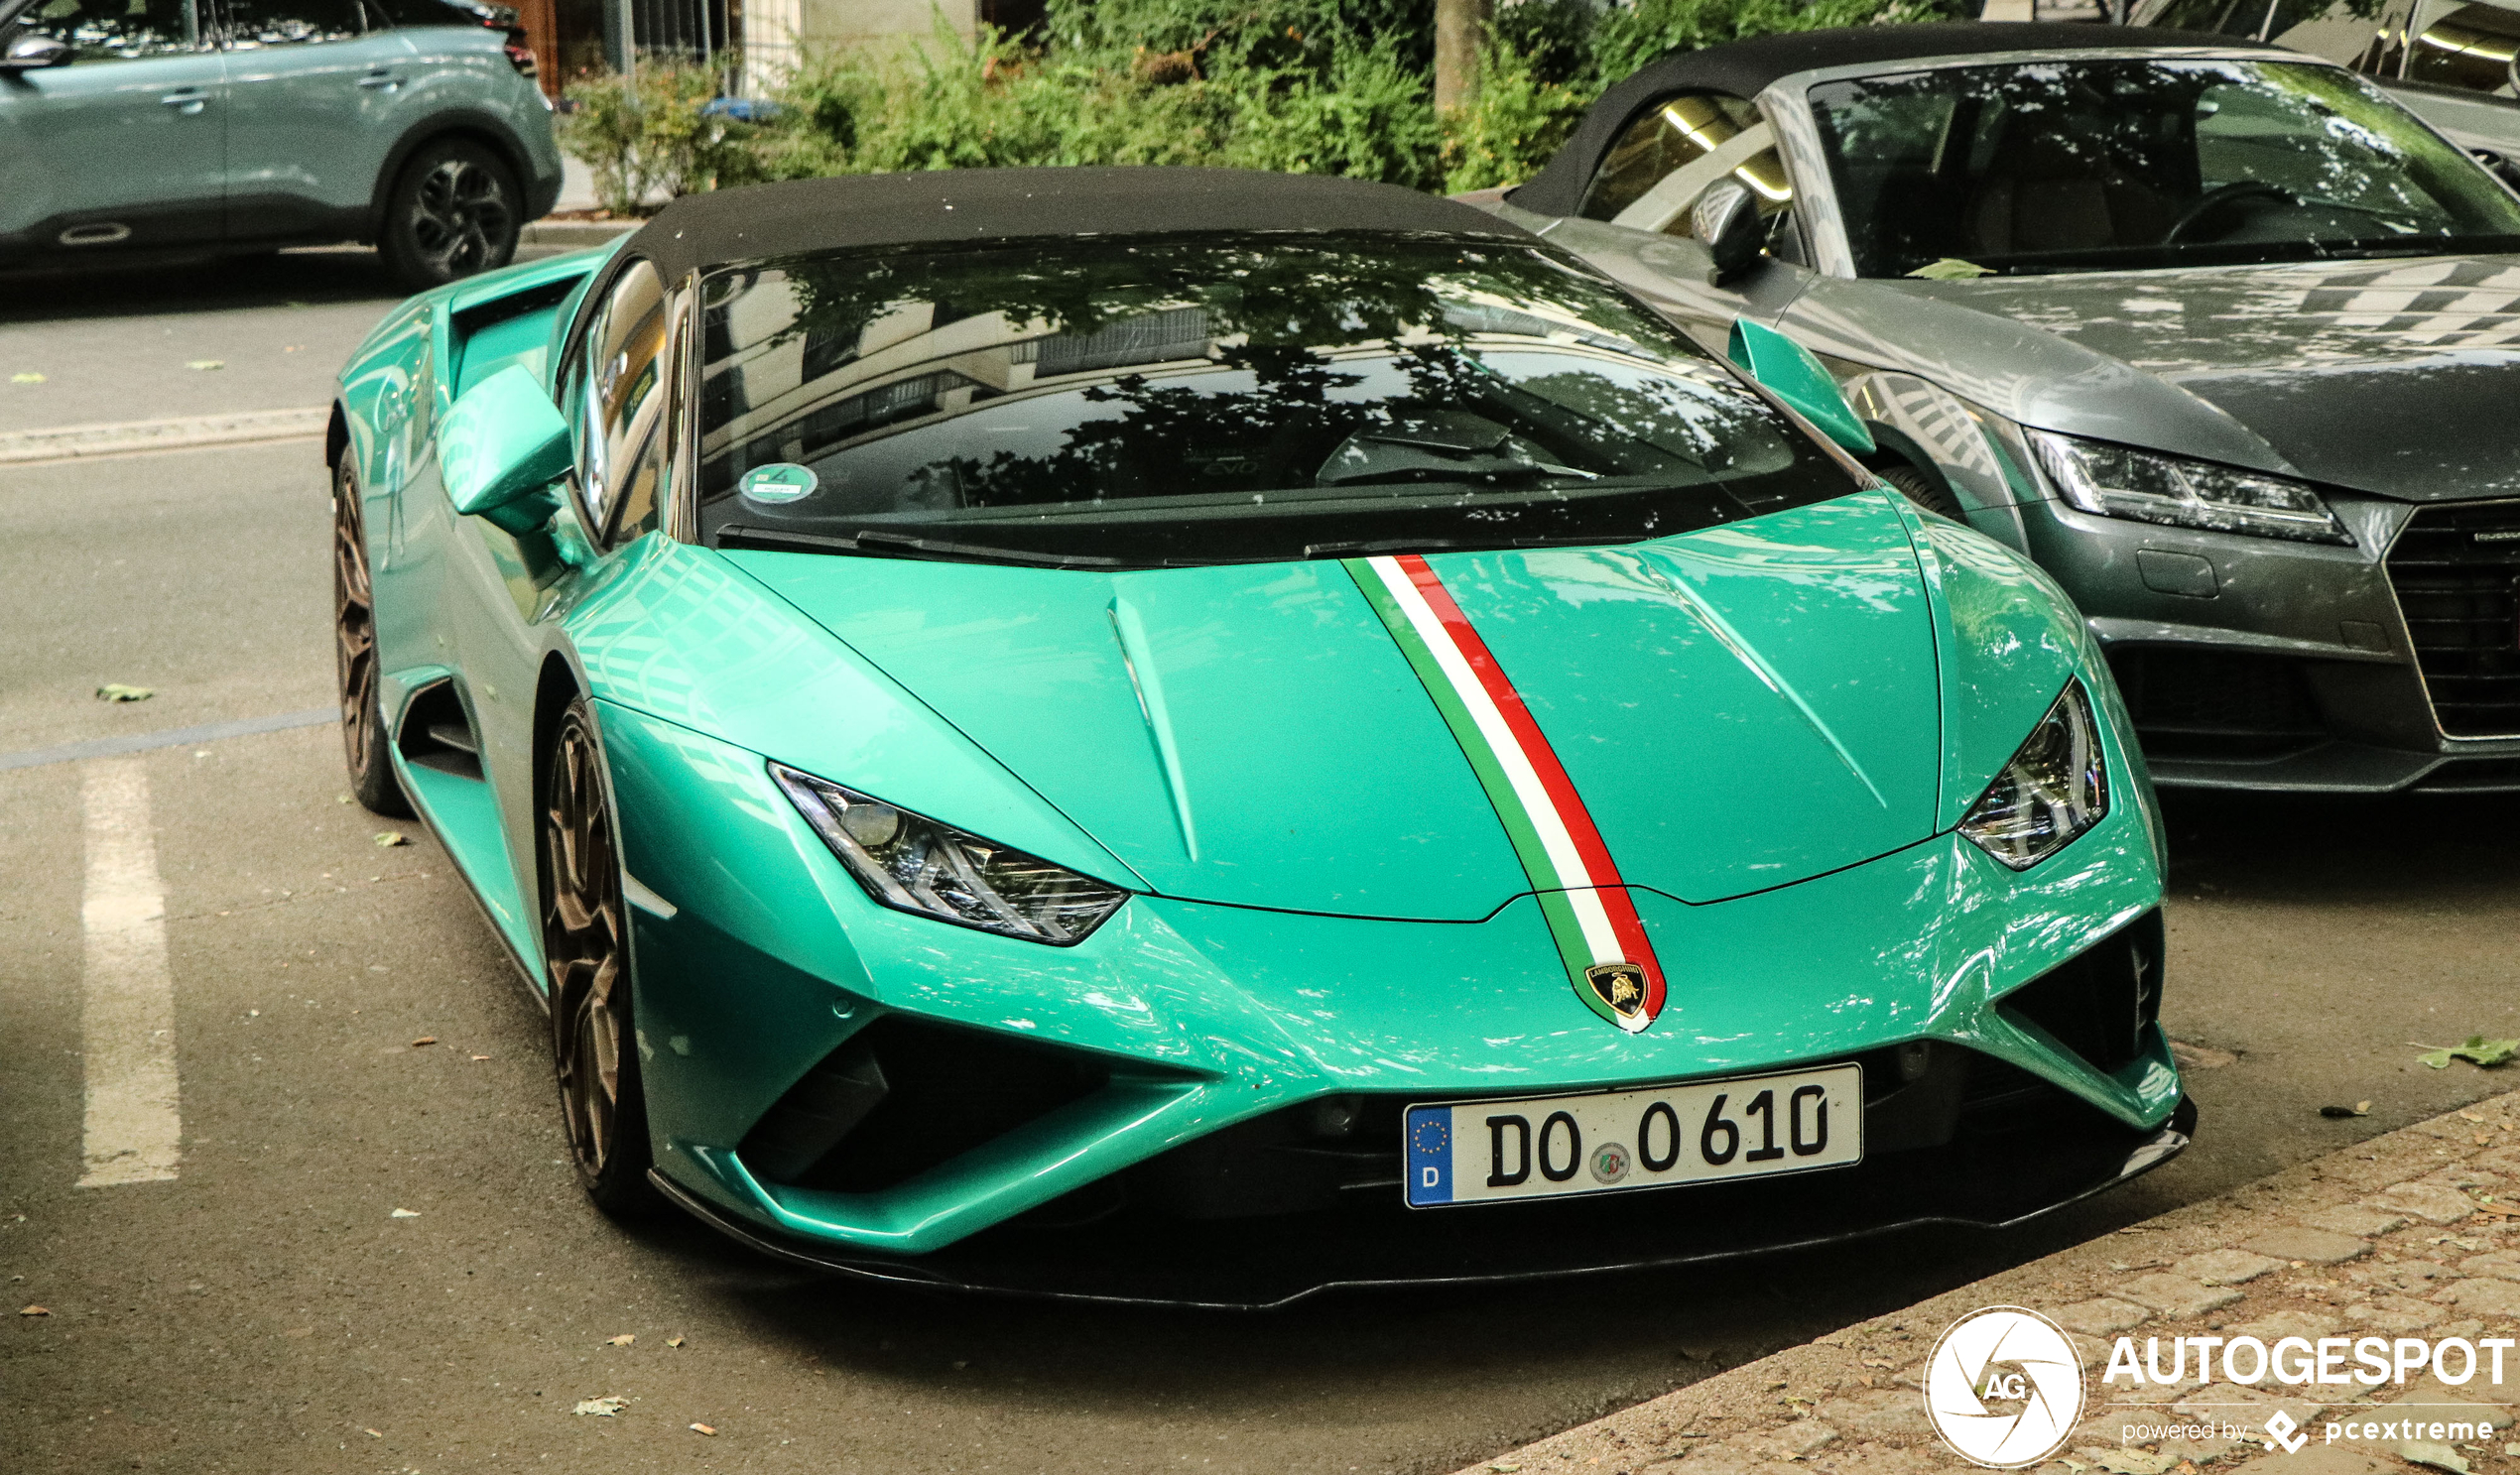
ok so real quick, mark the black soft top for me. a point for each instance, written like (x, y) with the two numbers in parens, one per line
(1744, 68)
(965, 206)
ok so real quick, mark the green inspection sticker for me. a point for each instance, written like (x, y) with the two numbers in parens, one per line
(780, 481)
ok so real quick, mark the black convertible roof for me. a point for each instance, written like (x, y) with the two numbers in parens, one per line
(965, 205)
(1744, 68)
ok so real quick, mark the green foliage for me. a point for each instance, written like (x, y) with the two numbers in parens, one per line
(1625, 39)
(1313, 86)
(1519, 120)
(651, 136)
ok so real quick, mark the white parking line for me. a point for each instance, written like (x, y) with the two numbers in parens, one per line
(134, 1129)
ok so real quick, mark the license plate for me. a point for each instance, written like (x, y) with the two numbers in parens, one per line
(1709, 1130)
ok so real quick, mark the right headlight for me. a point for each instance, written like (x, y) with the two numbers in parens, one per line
(2054, 788)
(2148, 487)
(912, 863)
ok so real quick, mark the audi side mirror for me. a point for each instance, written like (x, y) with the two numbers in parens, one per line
(500, 449)
(33, 53)
(1794, 374)
(1726, 221)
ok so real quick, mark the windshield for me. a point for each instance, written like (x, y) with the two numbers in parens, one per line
(1182, 400)
(2105, 165)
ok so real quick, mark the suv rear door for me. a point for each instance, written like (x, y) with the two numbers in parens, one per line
(124, 146)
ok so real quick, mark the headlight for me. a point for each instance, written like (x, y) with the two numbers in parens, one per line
(2115, 481)
(914, 864)
(2054, 788)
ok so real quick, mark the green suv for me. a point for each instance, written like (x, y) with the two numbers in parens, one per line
(142, 127)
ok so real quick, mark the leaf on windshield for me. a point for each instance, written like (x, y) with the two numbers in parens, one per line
(1952, 268)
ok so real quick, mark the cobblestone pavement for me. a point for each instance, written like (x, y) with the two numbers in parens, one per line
(2413, 1235)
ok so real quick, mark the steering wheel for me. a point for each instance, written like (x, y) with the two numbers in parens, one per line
(2216, 199)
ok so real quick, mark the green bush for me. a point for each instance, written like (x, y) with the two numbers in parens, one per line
(651, 136)
(1308, 87)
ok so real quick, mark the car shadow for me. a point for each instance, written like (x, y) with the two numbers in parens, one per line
(299, 277)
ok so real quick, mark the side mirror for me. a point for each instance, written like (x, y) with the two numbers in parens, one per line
(1726, 221)
(30, 52)
(1789, 370)
(500, 449)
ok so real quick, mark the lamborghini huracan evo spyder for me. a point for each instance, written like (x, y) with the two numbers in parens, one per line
(1189, 736)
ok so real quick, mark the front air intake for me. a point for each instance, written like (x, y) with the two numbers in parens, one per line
(906, 1094)
(2102, 1003)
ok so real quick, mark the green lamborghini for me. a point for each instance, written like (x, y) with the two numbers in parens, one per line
(1189, 736)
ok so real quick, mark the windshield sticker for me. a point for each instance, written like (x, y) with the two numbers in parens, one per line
(780, 481)
(1599, 936)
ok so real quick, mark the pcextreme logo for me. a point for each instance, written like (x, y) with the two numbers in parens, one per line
(2004, 1387)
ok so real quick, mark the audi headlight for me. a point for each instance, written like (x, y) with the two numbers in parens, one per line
(2054, 788)
(2115, 481)
(912, 863)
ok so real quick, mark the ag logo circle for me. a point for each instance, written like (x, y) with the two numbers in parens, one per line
(2004, 1387)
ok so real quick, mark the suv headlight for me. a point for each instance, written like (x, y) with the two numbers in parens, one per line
(2054, 788)
(2117, 481)
(912, 863)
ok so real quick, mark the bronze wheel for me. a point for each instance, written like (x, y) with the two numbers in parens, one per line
(587, 952)
(363, 736)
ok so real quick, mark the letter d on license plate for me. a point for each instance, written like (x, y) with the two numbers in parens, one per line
(1707, 1131)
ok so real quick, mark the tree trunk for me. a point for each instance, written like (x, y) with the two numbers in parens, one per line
(1461, 27)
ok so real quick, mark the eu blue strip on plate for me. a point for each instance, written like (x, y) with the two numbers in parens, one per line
(1430, 1154)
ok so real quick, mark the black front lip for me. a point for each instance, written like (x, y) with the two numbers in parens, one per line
(1265, 1264)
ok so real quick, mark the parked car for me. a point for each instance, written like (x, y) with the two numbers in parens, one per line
(2219, 335)
(2448, 61)
(1183, 735)
(145, 128)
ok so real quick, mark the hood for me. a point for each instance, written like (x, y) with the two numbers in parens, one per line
(2385, 377)
(1738, 708)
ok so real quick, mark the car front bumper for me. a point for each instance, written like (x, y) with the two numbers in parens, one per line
(2259, 663)
(1105, 1091)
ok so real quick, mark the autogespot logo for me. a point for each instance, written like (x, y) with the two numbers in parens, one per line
(2004, 1387)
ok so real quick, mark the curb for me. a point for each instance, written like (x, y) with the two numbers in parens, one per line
(2403, 1233)
(576, 233)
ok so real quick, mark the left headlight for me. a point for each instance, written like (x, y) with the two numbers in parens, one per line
(912, 863)
(2054, 788)
(2148, 487)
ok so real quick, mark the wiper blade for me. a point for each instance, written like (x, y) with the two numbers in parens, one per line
(1370, 546)
(902, 546)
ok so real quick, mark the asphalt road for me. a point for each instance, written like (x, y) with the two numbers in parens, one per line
(265, 1311)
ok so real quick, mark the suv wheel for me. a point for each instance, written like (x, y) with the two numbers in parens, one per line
(454, 211)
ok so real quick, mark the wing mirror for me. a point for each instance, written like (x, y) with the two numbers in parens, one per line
(1789, 370)
(1726, 221)
(30, 53)
(500, 449)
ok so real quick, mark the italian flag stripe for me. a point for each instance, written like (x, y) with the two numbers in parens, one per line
(1553, 834)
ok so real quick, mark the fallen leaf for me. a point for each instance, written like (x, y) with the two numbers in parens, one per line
(117, 692)
(424, 1040)
(2363, 1110)
(674, 1341)
(1501, 1468)
(34, 1310)
(2478, 1050)
(1952, 268)
(604, 1408)
(387, 838)
(371, 1433)
(25, 379)
(403, 1214)
(206, 363)
(623, 1340)
(481, 1057)
(340, 799)
(2438, 1457)
(709, 1429)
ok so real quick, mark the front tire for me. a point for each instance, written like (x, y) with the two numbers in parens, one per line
(455, 209)
(363, 735)
(586, 955)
